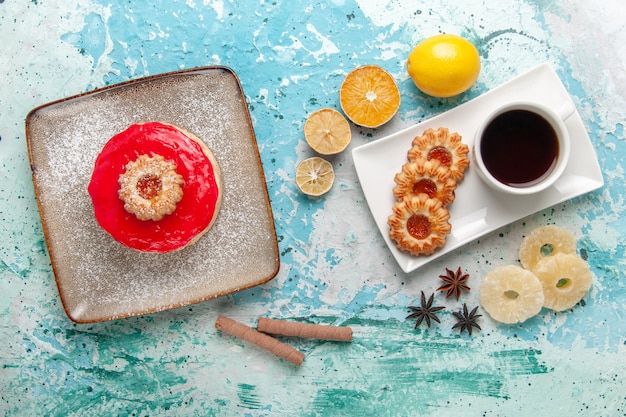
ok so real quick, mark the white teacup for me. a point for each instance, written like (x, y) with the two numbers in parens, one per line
(522, 147)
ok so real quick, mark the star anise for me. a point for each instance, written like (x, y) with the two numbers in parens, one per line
(454, 283)
(425, 311)
(465, 320)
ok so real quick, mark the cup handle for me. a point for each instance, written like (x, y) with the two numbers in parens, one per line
(566, 110)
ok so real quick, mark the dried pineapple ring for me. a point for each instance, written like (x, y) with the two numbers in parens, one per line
(566, 278)
(544, 242)
(511, 294)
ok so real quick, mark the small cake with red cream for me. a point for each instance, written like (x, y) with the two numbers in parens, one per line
(155, 187)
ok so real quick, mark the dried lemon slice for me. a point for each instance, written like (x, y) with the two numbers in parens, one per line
(566, 278)
(315, 176)
(511, 294)
(543, 242)
(327, 131)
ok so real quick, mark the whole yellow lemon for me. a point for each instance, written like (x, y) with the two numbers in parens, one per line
(444, 65)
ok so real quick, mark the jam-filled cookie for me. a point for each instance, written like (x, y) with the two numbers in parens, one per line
(155, 187)
(428, 177)
(444, 146)
(150, 187)
(419, 224)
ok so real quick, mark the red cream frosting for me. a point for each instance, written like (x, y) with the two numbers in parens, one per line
(193, 213)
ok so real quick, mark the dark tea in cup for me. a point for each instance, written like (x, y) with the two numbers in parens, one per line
(521, 148)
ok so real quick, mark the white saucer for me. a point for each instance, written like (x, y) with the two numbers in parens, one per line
(477, 209)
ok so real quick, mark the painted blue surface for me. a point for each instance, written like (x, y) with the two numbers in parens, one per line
(291, 58)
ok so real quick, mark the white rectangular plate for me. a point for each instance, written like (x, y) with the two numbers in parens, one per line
(477, 209)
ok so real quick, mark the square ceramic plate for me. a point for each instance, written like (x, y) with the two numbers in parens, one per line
(477, 209)
(98, 278)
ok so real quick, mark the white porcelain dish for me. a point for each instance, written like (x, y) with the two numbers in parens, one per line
(478, 209)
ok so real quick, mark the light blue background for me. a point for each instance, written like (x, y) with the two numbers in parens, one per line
(291, 58)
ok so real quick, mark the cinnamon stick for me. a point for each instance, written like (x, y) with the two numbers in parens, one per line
(262, 340)
(312, 331)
